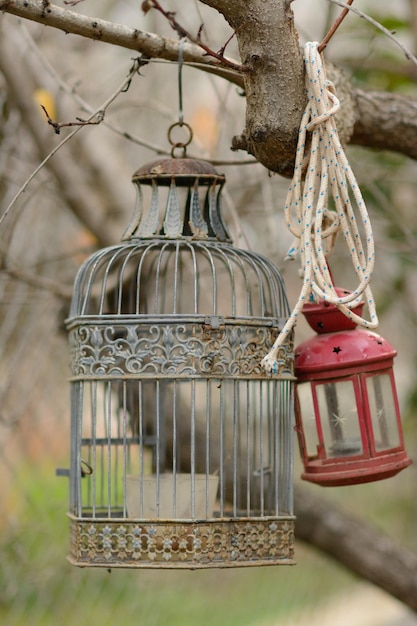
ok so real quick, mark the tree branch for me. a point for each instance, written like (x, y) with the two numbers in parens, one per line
(149, 44)
(358, 545)
(274, 85)
(80, 197)
(385, 121)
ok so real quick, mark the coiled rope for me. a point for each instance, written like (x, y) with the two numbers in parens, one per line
(314, 226)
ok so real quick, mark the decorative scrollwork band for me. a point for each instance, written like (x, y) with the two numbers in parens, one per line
(166, 349)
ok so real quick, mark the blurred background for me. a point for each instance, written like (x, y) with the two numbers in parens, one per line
(82, 199)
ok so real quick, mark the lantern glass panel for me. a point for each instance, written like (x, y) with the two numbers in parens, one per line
(383, 412)
(339, 418)
(306, 411)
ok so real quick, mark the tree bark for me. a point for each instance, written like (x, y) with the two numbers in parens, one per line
(274, 79)
(362, 548)
(385, 121)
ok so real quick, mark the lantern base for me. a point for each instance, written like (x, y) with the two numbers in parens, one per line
(181, 544)
(355, 472)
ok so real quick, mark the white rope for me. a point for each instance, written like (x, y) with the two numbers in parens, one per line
(322, 171)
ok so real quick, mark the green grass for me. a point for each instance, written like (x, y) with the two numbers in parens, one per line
(38, 587)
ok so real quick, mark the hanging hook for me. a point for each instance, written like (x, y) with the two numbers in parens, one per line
(180, 124)
(180, 64)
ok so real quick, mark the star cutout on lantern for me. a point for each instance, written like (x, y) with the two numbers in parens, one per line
(380, 414)
(338, 420)
(337, 349)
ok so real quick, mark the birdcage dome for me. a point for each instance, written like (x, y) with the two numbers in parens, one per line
(180, 263)
(180, 277)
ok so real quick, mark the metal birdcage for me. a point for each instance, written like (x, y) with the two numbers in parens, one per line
(181, 450)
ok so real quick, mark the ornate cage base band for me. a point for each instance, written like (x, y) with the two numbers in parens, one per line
(188, 544)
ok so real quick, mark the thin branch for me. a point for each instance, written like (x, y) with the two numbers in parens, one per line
(182, 32)
(35, 173)
(66, 88)
(408, 54)
(224, 46)
(126, 82)
(58, 125)
(334, 28)
(149, 44)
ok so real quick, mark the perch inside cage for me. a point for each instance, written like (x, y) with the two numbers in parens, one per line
(181, 449)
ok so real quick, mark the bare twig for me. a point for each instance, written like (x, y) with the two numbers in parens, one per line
(224, 46)
(408, 54)
(68, 89)
(97, 119)
(182, 32)
(126, 82)
(35, 173)
(149, 44)
(334, 28)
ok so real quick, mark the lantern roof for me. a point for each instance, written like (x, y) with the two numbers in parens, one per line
(324, 317)
(330, 353)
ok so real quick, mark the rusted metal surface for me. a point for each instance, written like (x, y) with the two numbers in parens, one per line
(182, 544)
(183, 169)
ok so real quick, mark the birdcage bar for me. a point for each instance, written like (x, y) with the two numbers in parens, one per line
(96, 503)
(112, 455)
(212, 253)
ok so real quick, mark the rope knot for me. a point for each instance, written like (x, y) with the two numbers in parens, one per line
(329, 91)
(308, 218)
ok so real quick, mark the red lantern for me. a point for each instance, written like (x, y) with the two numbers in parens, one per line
(346, 408)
